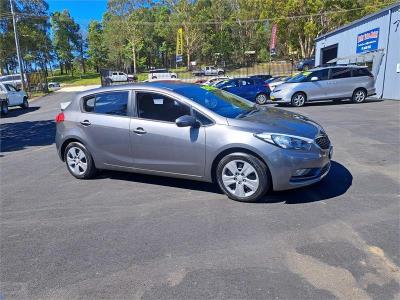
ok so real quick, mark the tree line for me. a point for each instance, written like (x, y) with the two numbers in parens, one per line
(136, 35)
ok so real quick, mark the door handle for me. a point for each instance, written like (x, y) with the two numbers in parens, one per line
(86, 123)
(139, 130)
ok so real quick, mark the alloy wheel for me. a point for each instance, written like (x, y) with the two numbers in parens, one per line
(240, 178)
(298, 100)
(261, 99)
(359, 96)
(77, 161)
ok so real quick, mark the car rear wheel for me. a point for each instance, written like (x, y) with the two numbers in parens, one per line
(154, 77)
(298, 99)
(359, 96)
(4, 108)
(79, 161)
(243, 177)
(220, 73)
(173, 76)
(261, 98)
(25, 103)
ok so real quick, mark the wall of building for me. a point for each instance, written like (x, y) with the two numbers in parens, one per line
(392, 77)
(347, 46)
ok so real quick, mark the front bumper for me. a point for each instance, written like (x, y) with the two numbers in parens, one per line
(284, 163)
(280, 97)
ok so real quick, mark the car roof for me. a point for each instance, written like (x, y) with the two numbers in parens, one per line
(338, 66)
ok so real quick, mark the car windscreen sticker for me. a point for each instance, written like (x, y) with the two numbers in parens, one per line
(158, 101)
(208, 88)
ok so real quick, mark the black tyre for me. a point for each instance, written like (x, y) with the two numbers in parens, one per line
(261, 98)
(221, 73)
(298, 99)
(25, 103)
(359, 96)
(4, 108)
(173, 76)
(79, 161)
(154, 77)
(243, 177)
(306, 68)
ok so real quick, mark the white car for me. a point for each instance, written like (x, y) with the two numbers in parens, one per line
(118, 76)
(215, 80)
(273, 84)
(161, 74)
(11, 96)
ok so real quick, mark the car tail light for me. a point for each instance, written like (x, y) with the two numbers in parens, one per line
(60, 117)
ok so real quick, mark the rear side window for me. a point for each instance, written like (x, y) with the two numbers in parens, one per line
(110, 103)
(338, 73)
(359, 72)
(244, 82)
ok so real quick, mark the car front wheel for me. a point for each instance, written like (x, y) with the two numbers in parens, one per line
(243, 177)
(25, 103)
(79, 161)
(298, 99)
(4, 108)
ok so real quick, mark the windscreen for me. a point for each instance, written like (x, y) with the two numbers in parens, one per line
(221, 102)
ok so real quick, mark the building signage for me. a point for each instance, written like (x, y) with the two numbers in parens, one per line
(368, 41)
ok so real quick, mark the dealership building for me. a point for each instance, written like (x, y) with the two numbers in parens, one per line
(373, 41)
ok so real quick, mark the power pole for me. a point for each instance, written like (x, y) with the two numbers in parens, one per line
(21, 68)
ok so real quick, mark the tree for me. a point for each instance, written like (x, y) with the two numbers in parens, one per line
(65, 38)
(97, 51)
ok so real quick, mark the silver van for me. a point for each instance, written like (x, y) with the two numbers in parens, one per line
(330, 83)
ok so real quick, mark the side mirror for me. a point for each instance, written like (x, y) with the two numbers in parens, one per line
(314, 78)
(186, 121)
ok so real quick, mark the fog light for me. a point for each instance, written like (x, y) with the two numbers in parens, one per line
(302, 172)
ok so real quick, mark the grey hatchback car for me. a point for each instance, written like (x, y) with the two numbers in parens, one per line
(195, 132)
(330, 83)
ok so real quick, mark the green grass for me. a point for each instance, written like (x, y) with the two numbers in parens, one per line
(77, 79)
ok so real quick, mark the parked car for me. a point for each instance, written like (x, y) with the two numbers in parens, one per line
(53, 86)
(305, 64)
(331, 83)
(253, 89)
(161, 74)
(14, 80)
(209, 71)
(264, 77)
(118, 76)
(277, 81)
(160, 128)
(11, 96)
(216, 80)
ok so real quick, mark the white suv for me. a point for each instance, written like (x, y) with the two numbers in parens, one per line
(161, 74)
(11, 96)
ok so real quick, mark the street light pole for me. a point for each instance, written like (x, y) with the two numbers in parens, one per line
(21, 68)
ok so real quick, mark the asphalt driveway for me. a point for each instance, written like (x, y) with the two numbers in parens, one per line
(129, 236)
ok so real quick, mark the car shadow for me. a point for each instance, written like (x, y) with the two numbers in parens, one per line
(336, 183)
(330, 103)
(15, 112)
(19, 135)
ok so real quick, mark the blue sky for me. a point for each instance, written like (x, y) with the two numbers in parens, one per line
(83, 11)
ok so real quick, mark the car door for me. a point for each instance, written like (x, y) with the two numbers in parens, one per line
(158, 144)
(316, 89)
(14, 97)
(340, 84)
(247, 89)
(105, 121)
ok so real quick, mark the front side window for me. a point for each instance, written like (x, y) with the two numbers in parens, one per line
(109, 103)
(321, 74)
(339, 73)
(159, 107)
(202, 118)
(10, 88)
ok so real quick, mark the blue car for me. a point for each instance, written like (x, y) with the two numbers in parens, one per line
(253, 89)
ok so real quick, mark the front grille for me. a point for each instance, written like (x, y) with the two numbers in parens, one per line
(323, 142)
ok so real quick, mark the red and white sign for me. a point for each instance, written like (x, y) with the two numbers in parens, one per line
(272, 44)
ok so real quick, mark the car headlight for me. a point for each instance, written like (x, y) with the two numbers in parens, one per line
(286, 141)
